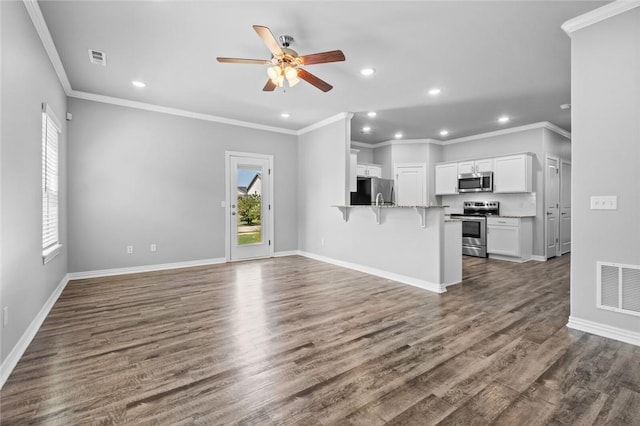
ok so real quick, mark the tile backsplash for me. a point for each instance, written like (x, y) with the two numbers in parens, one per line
(510, 204)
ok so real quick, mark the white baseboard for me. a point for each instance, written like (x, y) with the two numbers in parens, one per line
(604, 330)
(287, 253)
(18, 350)
(538, 258)
(145, 268)
(415, 282)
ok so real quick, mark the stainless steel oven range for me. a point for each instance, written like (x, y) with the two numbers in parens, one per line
(474, 226)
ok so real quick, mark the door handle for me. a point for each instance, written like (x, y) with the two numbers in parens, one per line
(549, 213)
(563, 214)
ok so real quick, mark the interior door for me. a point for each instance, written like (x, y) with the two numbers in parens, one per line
(410, 184)
(249, 207)
(552, 205)
(565, 207)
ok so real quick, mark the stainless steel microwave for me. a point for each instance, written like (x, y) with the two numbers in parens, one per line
(475, 182)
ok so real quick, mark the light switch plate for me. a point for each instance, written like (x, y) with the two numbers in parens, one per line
(606, 202)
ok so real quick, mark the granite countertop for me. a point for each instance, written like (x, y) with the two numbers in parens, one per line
(513, 216)
(453, 220)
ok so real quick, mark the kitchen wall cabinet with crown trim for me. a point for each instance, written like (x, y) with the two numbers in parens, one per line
(446, 179)
(513, 174)
(369, 170)
(476, 166)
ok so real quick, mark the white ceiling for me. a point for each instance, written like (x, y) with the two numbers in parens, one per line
(488, 58)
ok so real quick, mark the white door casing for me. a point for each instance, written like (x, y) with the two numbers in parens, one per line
(410, 184)
(552, 206)
(244, 240)
(565, 206)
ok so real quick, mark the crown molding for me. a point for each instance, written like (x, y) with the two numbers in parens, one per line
(175, 111)
(33, 9)
(326, 121)
(426, 141)
(598, 15)
(541, 125)
(362, 144)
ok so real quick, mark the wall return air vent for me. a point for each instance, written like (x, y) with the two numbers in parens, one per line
(619, 288)
(98, 57)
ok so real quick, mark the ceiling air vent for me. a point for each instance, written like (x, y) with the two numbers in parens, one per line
(98, 57)
(619, 288)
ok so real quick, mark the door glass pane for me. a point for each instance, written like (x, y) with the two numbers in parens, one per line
(249, 204)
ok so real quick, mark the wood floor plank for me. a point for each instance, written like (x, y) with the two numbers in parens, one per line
(296, 341)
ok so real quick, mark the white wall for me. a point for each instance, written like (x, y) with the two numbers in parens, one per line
(28, 79)
(146, 177)
(360, 241)
(605, 97)
(365, 155)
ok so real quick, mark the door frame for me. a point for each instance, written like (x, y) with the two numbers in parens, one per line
(560, 196)
(227, 198)
(548, 255)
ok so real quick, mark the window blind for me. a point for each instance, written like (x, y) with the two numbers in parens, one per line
(50, 217)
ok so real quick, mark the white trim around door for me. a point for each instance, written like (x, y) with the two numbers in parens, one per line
(230, 200)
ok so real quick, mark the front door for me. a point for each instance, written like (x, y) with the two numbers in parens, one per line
(249, 206)
(552, 205)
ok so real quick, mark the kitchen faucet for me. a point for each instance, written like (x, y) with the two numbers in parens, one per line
(380, 197)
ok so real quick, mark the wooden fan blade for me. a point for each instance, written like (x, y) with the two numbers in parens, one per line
(243, 61)
(312, 79)
(268, 39)
(324, 57)
(269, 87)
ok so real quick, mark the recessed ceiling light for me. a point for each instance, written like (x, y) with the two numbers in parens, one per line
(372, 114)
(366, 129)
(444, 132)
(398, 135)
(434, 92)
(367, 71)
(285, 115)
(503, 119)
(138, 84)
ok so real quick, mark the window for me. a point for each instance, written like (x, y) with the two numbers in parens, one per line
(50, 219)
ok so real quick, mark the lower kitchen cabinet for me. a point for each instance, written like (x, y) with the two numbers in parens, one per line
(510, 238)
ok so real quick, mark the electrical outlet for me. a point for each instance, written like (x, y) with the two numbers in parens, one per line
(608, 202)
(129, 249)
(154, 248)
(5, 316)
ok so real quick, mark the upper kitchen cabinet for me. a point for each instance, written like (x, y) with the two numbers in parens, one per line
(369, 170)
(512, 174)
(477, 166)
(447, 179)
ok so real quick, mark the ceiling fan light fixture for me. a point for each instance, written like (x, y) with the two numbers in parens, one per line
(274, 73)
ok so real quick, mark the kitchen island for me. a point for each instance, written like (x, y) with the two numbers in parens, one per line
(410, 244)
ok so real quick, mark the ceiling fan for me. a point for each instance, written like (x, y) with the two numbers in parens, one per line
(286, 64)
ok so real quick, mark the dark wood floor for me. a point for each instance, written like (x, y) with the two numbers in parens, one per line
(296, 341)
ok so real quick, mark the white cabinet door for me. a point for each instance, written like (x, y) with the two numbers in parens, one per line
(476, 166)
(369, 170)
(410, 184)
(485, 165)
(512, 174)
(374, 171)
(466, 167)
(446, 179)
(503, 240)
